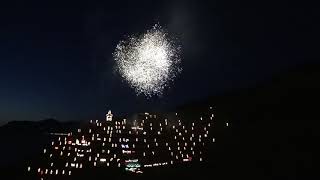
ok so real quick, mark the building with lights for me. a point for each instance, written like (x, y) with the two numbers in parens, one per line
(134, 146)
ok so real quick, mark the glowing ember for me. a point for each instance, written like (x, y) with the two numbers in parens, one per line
(148, 62)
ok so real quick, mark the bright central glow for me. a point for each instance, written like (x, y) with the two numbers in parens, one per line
(148, 62)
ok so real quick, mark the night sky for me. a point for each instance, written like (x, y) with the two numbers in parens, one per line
(56, 57)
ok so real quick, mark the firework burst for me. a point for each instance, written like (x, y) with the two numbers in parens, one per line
(148, 62)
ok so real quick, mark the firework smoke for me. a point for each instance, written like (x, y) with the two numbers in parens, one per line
(148, 62)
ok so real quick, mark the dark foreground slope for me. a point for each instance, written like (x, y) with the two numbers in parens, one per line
(274, 128)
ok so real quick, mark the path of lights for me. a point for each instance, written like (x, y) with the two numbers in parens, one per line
(148, 62)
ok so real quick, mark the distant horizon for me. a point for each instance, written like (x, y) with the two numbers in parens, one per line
(293, 70)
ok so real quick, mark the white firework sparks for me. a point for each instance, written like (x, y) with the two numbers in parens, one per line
(148, 62)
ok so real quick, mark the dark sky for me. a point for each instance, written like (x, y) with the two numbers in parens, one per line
(56, 56)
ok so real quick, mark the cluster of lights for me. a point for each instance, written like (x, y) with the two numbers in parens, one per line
(155, 142)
